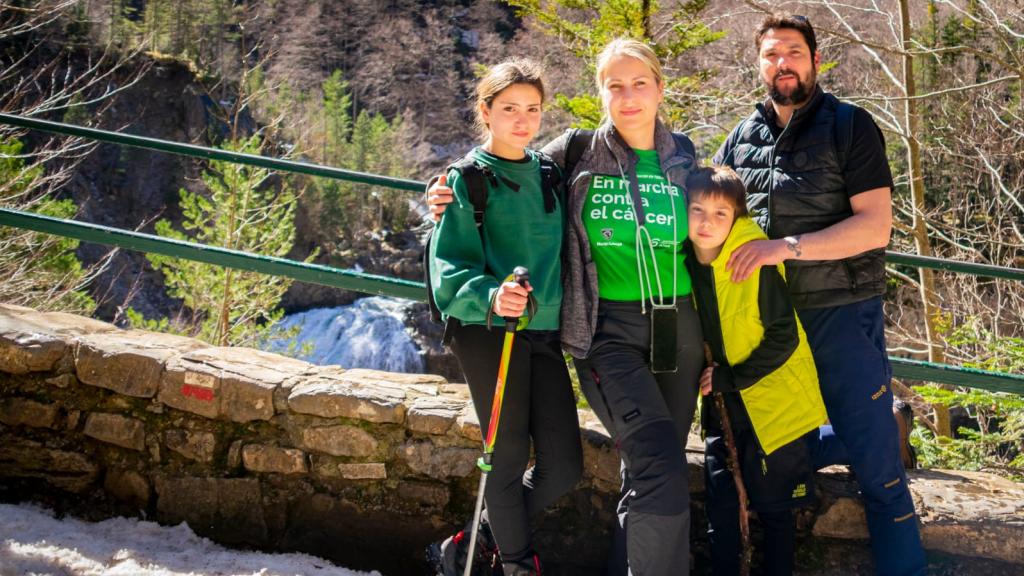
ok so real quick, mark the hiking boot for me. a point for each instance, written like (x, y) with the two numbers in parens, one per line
(529, 566)
(448, 558)
(904, 416)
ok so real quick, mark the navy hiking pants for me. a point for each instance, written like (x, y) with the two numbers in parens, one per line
(848, 343)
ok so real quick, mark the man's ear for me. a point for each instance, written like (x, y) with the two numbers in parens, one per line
(817, 61)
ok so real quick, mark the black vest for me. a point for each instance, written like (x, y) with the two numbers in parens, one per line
(795, 185)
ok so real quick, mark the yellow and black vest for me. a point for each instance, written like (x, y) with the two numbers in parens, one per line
(787, 403)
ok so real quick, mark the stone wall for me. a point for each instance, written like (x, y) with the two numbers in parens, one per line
(359, 466)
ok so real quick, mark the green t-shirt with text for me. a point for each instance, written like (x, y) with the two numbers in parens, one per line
(611, 227)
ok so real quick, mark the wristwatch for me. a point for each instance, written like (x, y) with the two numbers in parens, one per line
(793, 243)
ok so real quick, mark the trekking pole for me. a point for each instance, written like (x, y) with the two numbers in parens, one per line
(737, 476)
(519, 275)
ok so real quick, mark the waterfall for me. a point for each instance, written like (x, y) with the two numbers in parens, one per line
(369, 333)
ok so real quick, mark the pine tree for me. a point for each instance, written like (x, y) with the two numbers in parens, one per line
(346, 211)
(38, 270)
(245, 210)
(586, 26)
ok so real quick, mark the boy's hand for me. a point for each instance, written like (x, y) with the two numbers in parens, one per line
(705, 380)
(438, 197)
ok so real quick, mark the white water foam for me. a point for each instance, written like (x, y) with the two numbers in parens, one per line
(369, 333)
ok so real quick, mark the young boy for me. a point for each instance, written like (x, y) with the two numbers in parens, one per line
(764, 371)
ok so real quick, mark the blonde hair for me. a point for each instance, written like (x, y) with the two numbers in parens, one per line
(502, 76)
(632, 48)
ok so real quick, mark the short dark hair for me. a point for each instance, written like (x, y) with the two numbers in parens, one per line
(718, 181)
(791, 21)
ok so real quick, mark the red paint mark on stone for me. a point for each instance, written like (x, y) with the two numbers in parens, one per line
(198, 392)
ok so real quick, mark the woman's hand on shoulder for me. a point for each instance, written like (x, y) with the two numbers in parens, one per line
(439, 195)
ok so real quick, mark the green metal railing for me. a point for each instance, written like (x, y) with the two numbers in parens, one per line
(381, 285)
(209, 153)
(302, 271)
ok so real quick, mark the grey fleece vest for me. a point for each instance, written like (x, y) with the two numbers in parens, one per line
(795, 185)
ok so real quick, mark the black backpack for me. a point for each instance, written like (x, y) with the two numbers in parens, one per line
(479, 179)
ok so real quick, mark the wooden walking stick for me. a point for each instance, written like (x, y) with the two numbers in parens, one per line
(737, 476)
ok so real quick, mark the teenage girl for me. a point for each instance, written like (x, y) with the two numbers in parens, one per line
(520, 227)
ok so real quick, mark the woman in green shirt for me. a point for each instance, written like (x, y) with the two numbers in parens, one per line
(522, 226)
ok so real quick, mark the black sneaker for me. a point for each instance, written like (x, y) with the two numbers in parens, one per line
(529, 566)
(448, 558)
(904, 416)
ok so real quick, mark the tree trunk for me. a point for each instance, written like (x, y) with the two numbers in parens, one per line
(645, 9)
(912, 121)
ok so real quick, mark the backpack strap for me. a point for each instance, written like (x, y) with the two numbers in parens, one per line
(684, 144)
(550, 182)
(579, 141)
(476, 177)
(844, 131)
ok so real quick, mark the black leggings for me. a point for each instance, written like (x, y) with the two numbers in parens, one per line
(538, 405)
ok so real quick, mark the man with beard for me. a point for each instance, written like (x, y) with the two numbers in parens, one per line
(819, 185)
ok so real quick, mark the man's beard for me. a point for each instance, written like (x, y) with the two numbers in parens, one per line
(800, 93)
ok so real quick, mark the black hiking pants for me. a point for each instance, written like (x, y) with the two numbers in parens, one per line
(538, 405)
(649, 417)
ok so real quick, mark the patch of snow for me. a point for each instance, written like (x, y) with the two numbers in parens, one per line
(33, 542)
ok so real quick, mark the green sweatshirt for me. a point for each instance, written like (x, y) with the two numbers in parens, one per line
(468, 267)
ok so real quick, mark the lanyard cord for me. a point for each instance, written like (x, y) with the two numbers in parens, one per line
(642, 234)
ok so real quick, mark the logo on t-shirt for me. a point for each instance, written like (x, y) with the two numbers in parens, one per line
(607, 233)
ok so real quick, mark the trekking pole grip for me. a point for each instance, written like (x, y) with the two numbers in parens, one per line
(520, 275)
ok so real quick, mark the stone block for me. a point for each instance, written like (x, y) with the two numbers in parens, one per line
(394, 378)
(192, 444)
(115, 429)
(66, 470)
(970, 513)
(235, 455)
(229, 508)
(339, 440)
(434, 414)
(456, 390)
(24, 412)
(366, 471)
(333, 394)
(128, 362)
(191, 386)
(273, 459)
(600, 460)
(468, 425)
(66, 324)
(330, 467)
(424, 494)
(439, 462)
(128, 486)
(27, 346)
(234, 383)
